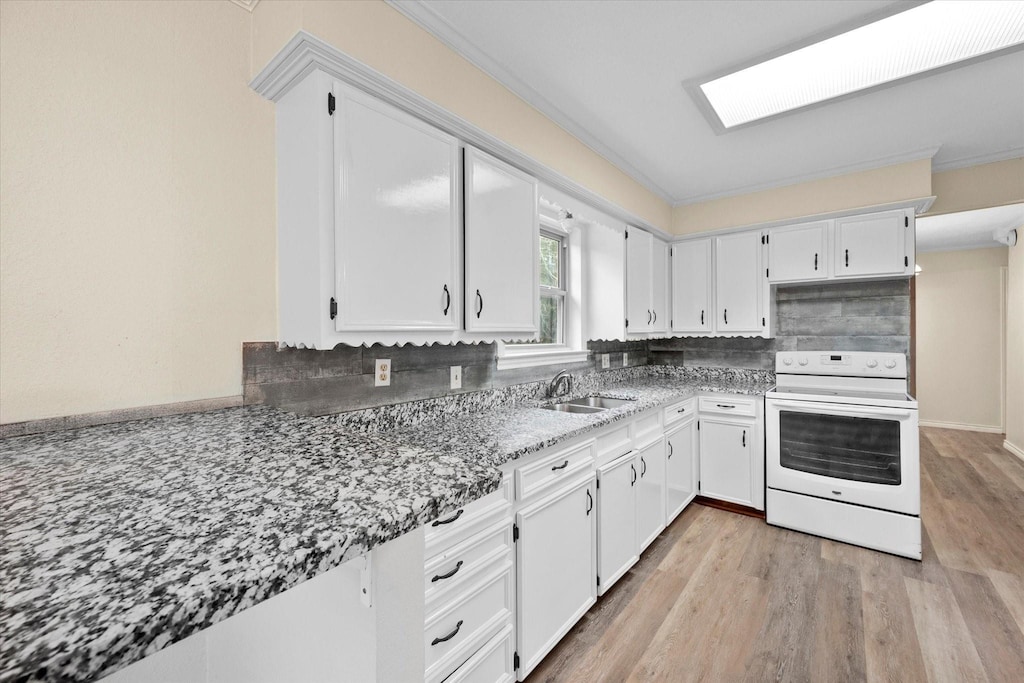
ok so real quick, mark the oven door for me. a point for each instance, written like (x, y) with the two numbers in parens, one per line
(855, 454)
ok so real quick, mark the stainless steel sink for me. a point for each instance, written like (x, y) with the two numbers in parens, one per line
(601, 402)
(569, 407)
(588, 404)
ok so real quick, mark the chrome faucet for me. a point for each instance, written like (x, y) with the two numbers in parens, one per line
(563, 377)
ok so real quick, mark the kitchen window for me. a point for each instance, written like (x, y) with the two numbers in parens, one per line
(559, 339)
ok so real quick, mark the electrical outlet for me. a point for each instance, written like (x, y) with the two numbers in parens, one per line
(456, 376)
(625, 359)
(606, 361)
(382, 372)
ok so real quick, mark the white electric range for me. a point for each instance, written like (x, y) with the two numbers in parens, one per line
(842, 457)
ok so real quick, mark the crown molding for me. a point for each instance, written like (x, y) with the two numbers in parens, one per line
(439, 27)
(978, 160)
(833, 172)
(247, 5)
(305, 53)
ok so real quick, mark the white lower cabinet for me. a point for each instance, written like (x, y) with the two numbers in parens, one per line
(725, 461)
(617, 547)
(556, 567)
(491, 664)
(650, 508)
(681, 464)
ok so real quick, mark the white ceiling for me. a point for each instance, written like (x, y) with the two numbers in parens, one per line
(612, 73)
(968, 229)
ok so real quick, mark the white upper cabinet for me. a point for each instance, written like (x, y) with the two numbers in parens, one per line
(738, 278)
(639, 258)
(691, 286)
(397, 218)
(659, 287)
(501, 235)
(798, 253)
(874, 244)
(604, 282)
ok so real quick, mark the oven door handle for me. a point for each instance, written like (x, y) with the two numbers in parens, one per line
(837, 409)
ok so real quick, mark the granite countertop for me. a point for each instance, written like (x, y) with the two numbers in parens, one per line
(118, 540)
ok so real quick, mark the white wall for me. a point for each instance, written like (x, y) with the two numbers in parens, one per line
(959, 337)
(137, 238)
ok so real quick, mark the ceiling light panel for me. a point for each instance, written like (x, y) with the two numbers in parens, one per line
(930, 36)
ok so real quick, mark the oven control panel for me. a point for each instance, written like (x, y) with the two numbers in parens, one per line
(841, 363)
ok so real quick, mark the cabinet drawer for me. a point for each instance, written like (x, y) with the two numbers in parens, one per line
(550, 469)
(680, 410)
(453, 528)
(490, 664)
(484, 607)
(448, 572)
(728, 405)
(614, 443)
(647, 428)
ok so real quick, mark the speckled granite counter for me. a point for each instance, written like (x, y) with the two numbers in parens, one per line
(116, 541)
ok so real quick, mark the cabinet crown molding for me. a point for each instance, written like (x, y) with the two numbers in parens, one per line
(305, 53)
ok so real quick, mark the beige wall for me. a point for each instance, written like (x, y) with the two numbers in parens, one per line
(959, 337)
(978, 187)
(137, 243)
(387, 41)
(1015, 346)
(898, 182)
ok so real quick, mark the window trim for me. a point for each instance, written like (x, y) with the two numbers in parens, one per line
(572, 349)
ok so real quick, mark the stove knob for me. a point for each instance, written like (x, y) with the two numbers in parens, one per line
(787, 361)
(803, 361)
(890, 364)
(872, 363)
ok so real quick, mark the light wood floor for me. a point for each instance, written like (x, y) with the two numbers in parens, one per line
(722, 597)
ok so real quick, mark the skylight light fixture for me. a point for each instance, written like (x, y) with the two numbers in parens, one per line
(929, 36)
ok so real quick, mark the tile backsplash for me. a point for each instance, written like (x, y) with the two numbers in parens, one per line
(844, 316)
(314, 382)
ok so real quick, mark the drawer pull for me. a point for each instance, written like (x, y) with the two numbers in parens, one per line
(722, 405)
(681, 410)
(439, 522)
(560, 467)
(451, 635)
(442, 577)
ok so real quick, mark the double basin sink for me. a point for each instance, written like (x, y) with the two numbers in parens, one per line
(588, 404)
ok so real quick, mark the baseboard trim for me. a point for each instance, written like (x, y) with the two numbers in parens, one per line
(961, 426)
(729, 507)
(56, 424)
(1019, 452)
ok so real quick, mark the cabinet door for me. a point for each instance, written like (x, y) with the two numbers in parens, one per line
(797, 254)
(501, 246)
(725, 461)
(556, 568)
(680, 469)
(650, 496)
(396, 219)
(691, 286)
(617, 548)
(738, 283)
(659, 287)
(872, 244)
(639, 247)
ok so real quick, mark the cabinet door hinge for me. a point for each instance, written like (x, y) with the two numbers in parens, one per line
(330, 104)
(627, 234)
(598, 483)
(763, 322)
(627, 323)
(333, 308)
(766, 272)
(515, 661)
(599, 582)
(671, 323)
(515, 533)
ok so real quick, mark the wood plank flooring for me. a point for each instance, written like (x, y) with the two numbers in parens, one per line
(723, 597)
